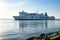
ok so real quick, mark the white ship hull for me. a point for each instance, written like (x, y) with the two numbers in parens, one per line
(18, 18)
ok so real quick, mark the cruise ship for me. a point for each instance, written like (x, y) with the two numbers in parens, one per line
(33, 16)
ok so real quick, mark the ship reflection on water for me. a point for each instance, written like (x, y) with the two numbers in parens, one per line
(21, 30)
(35, 28)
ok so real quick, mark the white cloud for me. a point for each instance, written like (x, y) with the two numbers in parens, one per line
(7, 10)
(21, 3)
(2, 5)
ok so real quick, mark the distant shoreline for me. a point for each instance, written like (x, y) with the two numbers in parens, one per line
(57, 19)
(24, 19)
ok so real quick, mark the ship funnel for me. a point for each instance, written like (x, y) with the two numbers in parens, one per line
(46, 14)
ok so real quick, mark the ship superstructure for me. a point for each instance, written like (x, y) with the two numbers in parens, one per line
(33, 16)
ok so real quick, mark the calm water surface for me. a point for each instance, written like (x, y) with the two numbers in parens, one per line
(21, 30)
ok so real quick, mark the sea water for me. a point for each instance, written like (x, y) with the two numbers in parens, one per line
(23, 29)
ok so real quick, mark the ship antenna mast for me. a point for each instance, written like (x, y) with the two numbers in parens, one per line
(37, 11)
(23, 11)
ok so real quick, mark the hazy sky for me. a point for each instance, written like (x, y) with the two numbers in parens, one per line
(9, 8)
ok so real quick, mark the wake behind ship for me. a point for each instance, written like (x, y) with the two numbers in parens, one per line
(33, 16)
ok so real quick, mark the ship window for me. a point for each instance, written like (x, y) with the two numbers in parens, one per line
(32, 16)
